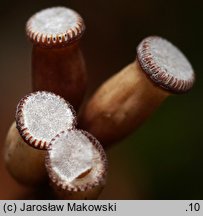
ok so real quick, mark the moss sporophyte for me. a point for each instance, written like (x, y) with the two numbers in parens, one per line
(128, 98)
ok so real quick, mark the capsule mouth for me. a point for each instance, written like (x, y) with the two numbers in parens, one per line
(55, 27)
(165, 64)
(76, 161)
(41, 115)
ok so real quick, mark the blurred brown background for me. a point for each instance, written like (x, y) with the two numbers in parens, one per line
(164, 158)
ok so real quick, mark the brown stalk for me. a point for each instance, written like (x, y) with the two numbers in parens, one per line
(57, 61)
(40, 116)
(128, 98)
(24, 163)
